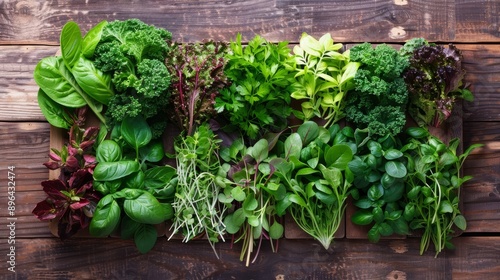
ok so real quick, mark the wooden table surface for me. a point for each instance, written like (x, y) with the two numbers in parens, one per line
(29, 31)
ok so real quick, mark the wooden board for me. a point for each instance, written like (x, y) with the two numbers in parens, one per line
(49, 258)
(25, 22)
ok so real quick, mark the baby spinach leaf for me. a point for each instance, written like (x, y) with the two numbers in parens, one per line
(55, 114)
(71, 43)
(58, 83)
(109, 171)
(93, 81)
(92, 38)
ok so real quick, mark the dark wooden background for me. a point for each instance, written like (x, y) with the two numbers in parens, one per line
(29, 31)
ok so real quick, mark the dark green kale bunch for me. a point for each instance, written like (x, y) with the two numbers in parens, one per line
(434, 81)
(379, 99)
(258, 99)
(134, 53)
(197, 72)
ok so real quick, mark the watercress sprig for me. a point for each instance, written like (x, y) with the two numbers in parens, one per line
(433, 187)
(255, 195)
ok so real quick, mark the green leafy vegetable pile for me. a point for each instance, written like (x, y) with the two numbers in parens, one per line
(322, 79)
(379, 99)
(435, 81)
(260, 134)
(197, 78)
(258, 99)
(133, 53)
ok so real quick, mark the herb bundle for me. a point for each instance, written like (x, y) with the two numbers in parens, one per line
(197, 209)
(135, 79)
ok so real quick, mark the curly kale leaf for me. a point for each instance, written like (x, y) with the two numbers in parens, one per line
(379, 99)
(134, 53)
(259, 97)
(135, 40)
(197, 78)
(434, 80)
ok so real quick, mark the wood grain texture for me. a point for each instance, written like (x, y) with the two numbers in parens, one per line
(24, 146)
(49, 258)
(25, 22)
(18, 90)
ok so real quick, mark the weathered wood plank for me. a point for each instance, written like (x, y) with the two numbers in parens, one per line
(49, 258)
(40, 22)
(482, 63)
(18, 90)
(24, 146)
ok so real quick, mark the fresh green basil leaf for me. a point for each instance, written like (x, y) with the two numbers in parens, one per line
(363, 203)
(357, 166)
(385, 229)
(145, 209)
(374, 234)
(375, 192)
(378, 215)
(106, 217)
(409, 212)
(362, 217)
(92, 38)
(128, 227)
(135, 180)
(55, 113)
(58, 83)
(159, 176)
(71, 43)
(93, 81)
(400, 226)
(145, 238)
(108, 151)
(153, 152)
(109, 171)
(136, 132)
(394, 192)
